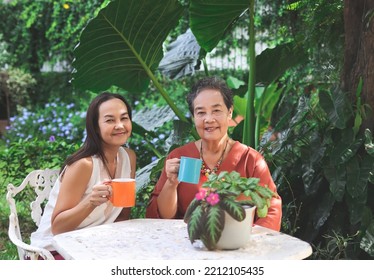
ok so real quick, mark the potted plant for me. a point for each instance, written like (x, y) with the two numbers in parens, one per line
(221, 197)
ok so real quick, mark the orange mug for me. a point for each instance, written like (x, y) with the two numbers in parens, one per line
(123, 192)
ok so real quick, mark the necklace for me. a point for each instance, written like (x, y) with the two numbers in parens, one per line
(108, 171)
(205, 170)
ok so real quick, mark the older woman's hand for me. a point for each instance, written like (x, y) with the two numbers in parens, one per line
(171, 169)
(100, 193)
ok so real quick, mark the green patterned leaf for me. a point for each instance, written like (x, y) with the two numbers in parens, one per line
(194, 203)
(215, 222)
(196, 224)
(122, 45)
(234, 209)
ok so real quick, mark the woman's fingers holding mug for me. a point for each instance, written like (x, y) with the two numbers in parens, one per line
(101, 191)
(172, 165)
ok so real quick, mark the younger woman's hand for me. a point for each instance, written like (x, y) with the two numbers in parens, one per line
(100, 193)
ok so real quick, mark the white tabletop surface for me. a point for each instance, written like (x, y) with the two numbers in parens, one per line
(157, 239)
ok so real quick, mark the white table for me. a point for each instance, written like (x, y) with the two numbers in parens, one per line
(157, 239)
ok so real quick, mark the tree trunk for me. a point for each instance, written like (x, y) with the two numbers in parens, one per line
(359, 51)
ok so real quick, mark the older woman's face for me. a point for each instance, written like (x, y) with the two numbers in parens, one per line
(211, 115)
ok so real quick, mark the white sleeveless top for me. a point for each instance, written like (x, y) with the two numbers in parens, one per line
(102, 214)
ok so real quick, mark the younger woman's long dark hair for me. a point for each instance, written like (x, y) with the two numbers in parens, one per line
(93, 144)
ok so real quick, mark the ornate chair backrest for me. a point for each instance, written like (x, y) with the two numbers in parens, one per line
(41, 181)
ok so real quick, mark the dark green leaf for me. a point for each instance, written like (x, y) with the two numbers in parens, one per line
(193, 205)
(367, 242)
(196, 223)
(215, 222)
(336, 175)
(122, 45)
(323, 210)
(369, 146)
(357, 177)
(283, 56)
(334, 106)
(346, 148)
(211, 19)
(356, 208)
(233, 208)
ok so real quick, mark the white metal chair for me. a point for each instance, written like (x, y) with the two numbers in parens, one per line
(42, 182)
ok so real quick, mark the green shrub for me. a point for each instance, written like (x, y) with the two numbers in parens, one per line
(17, 159)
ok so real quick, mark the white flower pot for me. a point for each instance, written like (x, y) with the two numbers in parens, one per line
(236, 234)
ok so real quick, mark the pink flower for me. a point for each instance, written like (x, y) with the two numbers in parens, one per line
(213, 199)
(201, 194)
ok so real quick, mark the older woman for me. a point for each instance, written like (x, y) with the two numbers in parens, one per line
(211, 104)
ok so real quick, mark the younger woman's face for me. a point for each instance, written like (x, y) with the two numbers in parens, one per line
(114, 122)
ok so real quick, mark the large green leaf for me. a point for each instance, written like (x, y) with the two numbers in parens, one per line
(346, 147)
(272, 63)
(211, 19)
(122, 45)
(334, 105)
(336, 175)
(356, 208)
(358, 175)
(322, 210)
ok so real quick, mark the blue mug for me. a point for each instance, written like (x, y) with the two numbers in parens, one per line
(189, 170)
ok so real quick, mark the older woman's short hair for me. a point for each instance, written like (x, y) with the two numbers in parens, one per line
(210, 83)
